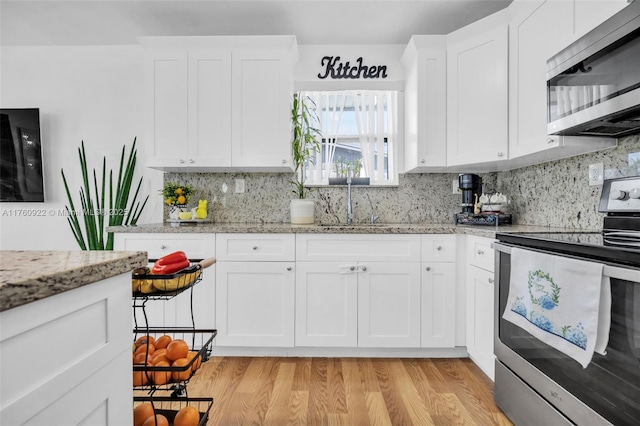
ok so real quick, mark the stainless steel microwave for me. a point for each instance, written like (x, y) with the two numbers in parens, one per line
(593, 85)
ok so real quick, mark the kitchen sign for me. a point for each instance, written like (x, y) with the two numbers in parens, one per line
(338, 70)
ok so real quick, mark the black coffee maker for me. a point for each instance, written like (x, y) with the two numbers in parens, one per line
(471, 187)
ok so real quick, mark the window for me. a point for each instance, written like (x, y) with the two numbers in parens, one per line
(359, 133)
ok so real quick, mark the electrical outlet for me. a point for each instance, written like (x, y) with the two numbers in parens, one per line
(596, 174)
(455, 186)
(239, 186)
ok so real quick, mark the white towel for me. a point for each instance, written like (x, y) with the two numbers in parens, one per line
(564, 302)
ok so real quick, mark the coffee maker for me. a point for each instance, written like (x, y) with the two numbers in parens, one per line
(471, 187)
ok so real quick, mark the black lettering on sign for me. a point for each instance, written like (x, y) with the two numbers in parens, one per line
(337, 70)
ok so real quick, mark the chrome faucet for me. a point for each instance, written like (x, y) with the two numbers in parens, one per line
(373, 218)
(349, 202)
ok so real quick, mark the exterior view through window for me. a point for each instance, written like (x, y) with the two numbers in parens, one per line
(359, 133)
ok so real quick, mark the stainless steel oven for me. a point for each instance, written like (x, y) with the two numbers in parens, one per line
(536, 384)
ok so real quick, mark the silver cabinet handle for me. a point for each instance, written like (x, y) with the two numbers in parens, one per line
(423, 161)
(428, 268)
(255, 247)
(491, 280)
(181, 161)
(500, 154)
(480, 252)
(284, 161)
(364, 269)
(439, 248)
(353, 268)
(191, 160)
(550, 140)
(289, 268)
(162, 247)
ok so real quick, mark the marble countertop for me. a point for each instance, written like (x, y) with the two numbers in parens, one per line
(384, 228)
(27, 276)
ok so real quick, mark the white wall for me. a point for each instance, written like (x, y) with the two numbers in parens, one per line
(84, 93)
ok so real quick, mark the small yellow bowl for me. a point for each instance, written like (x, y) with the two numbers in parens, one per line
(185, 215)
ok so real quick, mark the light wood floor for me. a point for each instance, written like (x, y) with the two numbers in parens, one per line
(346, 391)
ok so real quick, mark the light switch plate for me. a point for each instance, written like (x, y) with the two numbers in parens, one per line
(239, 186)
(596, 174)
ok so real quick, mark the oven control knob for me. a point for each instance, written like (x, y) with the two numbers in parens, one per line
(634, 193)
(617, 194)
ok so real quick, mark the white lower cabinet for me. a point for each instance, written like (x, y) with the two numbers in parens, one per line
(326, 305)
(255, 285)
(349, 294)
(255, 303)
(438, 292)
(480, 303)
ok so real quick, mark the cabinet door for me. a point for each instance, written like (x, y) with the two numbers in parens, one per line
(438, 324)
(255, 303)
(261, 85)
(480, 318)
(538, 31)
(590, 13)
(389, 304)
(166, 123)
(326, 305)
(477, 98)
(209, 107)
(425, 97)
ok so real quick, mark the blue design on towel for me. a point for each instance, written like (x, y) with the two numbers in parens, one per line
(545, 294)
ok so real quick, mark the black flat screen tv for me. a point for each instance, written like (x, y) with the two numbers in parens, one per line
(21, 176)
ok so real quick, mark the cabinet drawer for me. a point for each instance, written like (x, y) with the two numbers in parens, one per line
(358, 247)
(196, 246)
(255, 247)
(480, 253)
(439, 248)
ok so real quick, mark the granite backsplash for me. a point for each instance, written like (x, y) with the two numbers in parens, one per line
(554, 194)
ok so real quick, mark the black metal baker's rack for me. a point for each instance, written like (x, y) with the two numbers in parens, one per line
(167, 398)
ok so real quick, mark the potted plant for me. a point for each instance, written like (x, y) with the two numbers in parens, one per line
(95, 209)
(176, 196)
(305, 142)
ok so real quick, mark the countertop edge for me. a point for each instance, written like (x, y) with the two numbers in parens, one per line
(29, 275)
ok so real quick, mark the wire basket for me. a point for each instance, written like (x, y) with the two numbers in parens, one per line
(169, 407)
(172, 378)
(162, 287)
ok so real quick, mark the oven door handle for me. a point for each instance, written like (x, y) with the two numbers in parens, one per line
(610, 271)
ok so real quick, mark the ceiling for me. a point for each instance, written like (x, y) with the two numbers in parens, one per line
(91, 22)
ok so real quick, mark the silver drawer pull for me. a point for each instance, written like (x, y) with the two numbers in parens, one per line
(162, 247)
(428, 268)
(491, 280)
(439, 248)
(289, 268)
(480, 252)
(353, 268)
(255, 247)
(364, 269)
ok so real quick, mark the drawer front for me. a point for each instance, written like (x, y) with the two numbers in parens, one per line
(197, 246)
(439, 248)
(480, 253)
(256, 247)
(358, 247)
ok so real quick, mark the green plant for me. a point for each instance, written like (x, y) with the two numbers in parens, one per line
(176, 194)
(94, 213)
(306, 139)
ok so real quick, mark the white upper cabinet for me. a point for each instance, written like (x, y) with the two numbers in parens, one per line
(588, 14)
(219, 103)
(538, 30)
(425, 97)
(477, 92)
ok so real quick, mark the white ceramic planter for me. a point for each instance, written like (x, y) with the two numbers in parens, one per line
(302, 212)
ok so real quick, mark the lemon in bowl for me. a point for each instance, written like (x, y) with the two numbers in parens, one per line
(185, 215)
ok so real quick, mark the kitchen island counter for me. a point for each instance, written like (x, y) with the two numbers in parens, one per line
(381, 228)
(28, 276)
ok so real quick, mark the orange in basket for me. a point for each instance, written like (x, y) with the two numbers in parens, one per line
(181, 375)
(177, 349)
